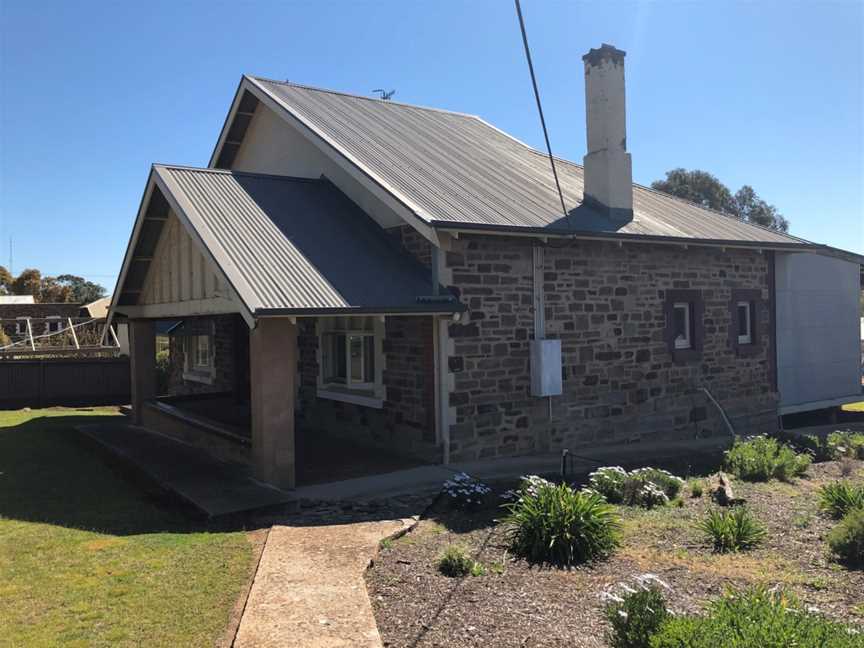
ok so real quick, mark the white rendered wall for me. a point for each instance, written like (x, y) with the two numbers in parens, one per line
(818, 345)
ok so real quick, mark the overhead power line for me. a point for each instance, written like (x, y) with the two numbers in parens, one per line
(540, 109)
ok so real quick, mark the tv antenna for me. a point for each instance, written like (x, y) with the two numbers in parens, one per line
(385, 94)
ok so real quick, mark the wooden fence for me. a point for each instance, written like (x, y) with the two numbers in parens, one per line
(64, 381)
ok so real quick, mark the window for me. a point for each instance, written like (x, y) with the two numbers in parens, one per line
(351, 360)
(744, 316)
(743, 312)
(681, 321)
(198, 357)
(21, 325)
(684, 327)
(52, 325)
(202, 351)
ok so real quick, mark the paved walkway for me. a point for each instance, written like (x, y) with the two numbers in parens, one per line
(309, 590)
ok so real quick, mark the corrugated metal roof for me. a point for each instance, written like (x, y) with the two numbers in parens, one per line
(297, 245)
(17, 299)
(451, 168)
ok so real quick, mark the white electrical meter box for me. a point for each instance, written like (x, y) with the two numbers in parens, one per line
(546, 368)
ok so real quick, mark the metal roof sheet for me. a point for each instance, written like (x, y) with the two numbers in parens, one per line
(292, 245)
(456, 169)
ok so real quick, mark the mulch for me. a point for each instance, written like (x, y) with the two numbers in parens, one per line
(516, 604)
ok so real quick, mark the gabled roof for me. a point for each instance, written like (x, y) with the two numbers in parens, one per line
(456, 171)
(294, 245)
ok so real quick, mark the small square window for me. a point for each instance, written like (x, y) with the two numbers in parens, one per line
(53, 325)
(682, 332)
(744, 311)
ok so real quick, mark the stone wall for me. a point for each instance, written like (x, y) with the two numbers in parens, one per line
(414, 243)
(227, 330)
(606, 305)
(406, 423)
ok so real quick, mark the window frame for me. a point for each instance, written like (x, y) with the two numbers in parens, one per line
(21, 325)
(193, 370)
(745, 336)
(674, 299)
(365, 392)
(687, 307)
(53, 319)
(753, 298)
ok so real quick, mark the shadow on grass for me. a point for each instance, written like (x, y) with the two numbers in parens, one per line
(48, 475)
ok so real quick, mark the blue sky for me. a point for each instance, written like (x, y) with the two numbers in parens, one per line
(770, 94)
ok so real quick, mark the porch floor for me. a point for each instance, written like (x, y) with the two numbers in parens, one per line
(211, 486)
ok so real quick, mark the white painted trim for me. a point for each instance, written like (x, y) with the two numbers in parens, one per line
(198, 376)
(356, 399)
(215, 306)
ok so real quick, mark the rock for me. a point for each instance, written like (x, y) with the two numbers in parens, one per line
(721, 491)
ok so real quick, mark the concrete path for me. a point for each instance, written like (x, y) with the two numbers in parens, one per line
(309, 590)
(214, 487)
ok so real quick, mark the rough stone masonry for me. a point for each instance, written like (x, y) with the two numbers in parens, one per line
(605, 303)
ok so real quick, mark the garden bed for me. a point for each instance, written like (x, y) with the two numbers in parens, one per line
(515, 604)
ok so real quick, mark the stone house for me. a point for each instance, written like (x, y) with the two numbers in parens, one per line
(405, 278)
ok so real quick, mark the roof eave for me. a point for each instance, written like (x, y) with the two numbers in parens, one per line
(418, 309)
(541, 232)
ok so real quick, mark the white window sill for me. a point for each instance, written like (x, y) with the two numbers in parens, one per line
(347, 397)
(198, 376)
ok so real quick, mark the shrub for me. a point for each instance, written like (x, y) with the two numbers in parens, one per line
(840, 497)
(762, 458)
(697, 488)
(846, 444)
(732, 530)
(648, 487)
(635, 616)
(561, 526)
(163, 371)
(455, 562)
(465, 492)
(846, 540)
(756, 618)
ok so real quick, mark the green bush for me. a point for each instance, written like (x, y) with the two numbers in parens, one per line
(762, 458)
(755, 618)
(840, 497)
(163, 371)
(455, 562)
(733, 530)
(697, 488)
(558, 525)
(846, 540)
(647, 487)
(846, 444)
(635, 617)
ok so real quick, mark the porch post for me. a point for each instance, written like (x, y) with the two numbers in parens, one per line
(142, 364)
(272, 368)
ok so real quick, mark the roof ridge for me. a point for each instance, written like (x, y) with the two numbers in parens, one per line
(389, 102)
(230, 172)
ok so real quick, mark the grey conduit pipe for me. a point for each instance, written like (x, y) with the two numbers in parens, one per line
(721, 410)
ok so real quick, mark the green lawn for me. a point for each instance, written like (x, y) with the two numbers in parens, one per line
(88, 559)
(854, 407)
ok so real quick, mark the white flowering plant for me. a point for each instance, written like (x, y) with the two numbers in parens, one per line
(647, 487)
(635, 610)
(465, 492)
(529, 485)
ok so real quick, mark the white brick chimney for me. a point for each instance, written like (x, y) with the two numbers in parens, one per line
(608, 170)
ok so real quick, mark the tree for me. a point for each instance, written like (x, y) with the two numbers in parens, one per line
(706, 190)
(5, 281)
(51, 291)
(82, 291)
(28, 282)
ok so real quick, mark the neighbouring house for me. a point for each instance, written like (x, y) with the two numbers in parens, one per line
(404, 278)
(21, 317)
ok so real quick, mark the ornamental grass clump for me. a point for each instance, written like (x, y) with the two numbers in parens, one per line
(846, 540)
(733, 530)
(455, 562)
(756, 618)
(635, 614)
(763, 458)
(840, 497)
(846, 444)
(646, 487)
(558, 525)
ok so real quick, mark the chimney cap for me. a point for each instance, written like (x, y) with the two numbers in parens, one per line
(605, 51)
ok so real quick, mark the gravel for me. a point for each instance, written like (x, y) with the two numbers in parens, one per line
(515, 604)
